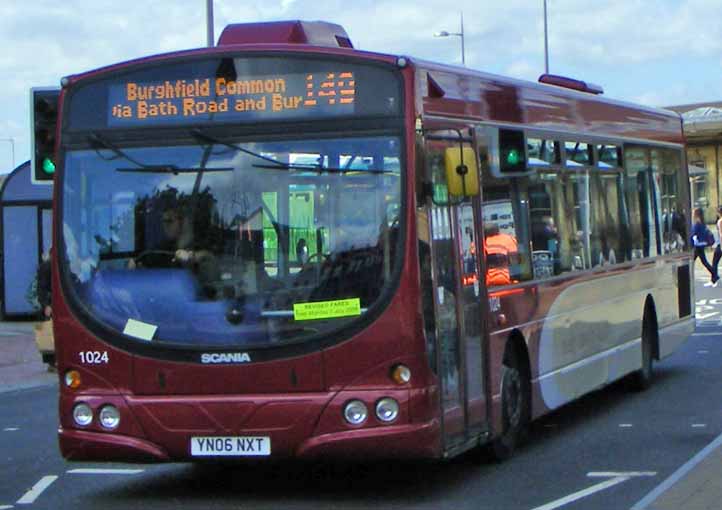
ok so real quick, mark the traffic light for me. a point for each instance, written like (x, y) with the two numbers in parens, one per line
(43, 123)
(512, 151)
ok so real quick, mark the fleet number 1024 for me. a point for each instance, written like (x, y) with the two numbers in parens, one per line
(93, 357)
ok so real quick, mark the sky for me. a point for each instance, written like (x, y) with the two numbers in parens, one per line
(654, 52)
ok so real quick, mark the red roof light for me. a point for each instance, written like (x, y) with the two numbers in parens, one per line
(570, 83)
(316, 33)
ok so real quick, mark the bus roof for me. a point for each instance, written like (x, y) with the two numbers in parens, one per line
(452, 91)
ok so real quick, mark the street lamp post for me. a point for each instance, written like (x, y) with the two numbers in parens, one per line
(12, 148)
(209, 23)
(460, 34)
(546, 41)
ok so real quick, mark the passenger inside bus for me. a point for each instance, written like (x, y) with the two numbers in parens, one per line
(302, 251)
(545, 247)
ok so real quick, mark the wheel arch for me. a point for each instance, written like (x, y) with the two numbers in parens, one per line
(650, 325)
(516, 345)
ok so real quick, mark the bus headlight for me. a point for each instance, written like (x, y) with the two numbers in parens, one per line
(355, 412)
(83, 415)
(387, 409)
(109, 417)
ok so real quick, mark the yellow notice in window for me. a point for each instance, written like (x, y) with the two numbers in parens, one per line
(327, 309)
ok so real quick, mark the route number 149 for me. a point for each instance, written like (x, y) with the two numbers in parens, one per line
(93, 357)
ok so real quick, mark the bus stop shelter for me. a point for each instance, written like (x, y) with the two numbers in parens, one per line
(26, 212)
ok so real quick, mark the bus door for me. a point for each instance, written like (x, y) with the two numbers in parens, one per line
(457, 301)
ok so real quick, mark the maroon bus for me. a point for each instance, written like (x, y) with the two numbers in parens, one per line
(285, 247)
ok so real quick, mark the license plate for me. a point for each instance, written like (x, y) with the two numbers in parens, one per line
(230, 446)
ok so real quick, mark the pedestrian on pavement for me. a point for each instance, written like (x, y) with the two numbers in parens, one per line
(718, 246)
(44, 330)
(702, 238)
(44, 288)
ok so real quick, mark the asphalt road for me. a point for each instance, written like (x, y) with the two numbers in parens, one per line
(629, 442)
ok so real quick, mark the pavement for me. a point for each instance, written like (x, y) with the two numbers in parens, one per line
(20, 363)
(696, 485)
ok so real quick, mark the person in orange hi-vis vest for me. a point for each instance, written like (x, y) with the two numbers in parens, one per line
(501, 250)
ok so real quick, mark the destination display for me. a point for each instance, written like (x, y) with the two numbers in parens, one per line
(200, 90)
(266, 97)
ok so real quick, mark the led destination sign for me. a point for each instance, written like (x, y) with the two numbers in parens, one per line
(244, 98)
(233, 90)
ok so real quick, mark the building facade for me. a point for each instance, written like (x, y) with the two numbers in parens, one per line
(703, 130)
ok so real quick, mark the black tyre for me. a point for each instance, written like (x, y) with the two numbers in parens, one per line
(643, 378)
(515, 407)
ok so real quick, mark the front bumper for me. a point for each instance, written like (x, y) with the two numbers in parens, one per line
(397, 441)
(84, 445)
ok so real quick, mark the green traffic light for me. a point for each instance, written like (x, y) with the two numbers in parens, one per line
(512, 158)
(48, 166)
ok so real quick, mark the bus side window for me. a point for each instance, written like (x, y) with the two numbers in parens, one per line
(638, 192)
(674, 211)
(560, 222)
(606, 219)
(545, 216)
(505, 213)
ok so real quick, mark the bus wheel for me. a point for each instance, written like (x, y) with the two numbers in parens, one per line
(642, 378)
(515, 408)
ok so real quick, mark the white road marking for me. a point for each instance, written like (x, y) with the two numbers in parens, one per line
(703, 352)
(703, 316)
(617, 479)
(707, 334)
(698, 425)
(5, 507)
(625, 425)
(608, 474)
(10, 429)
(33, 494)
(92, 471)
(582, 494)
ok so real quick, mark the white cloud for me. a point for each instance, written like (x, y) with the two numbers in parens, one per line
(525, 70)
(654, 98)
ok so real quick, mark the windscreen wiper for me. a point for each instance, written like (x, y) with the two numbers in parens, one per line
(203, 137)
(97, 141)
(325, 169)
(173, 169)
(279, 165)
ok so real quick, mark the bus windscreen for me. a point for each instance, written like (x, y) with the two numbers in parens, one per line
(236, 90)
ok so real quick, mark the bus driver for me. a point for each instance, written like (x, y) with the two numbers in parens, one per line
(177, 249)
